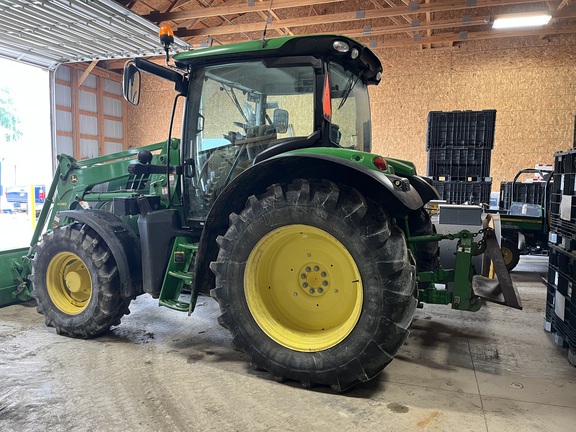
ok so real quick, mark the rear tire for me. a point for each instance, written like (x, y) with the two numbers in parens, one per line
(76, 282)
(315, 284)
(510, 253)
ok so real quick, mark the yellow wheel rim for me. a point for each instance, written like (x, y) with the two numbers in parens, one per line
(507, 255)
(303, 288)
(69, 283)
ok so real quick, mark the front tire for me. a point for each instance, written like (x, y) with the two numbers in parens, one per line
(76, 282)
(315, 283)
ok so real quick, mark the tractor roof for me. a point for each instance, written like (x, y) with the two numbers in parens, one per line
(364, 62)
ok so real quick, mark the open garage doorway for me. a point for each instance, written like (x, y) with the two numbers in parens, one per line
(25, 150)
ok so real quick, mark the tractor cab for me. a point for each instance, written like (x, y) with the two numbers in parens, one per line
(241, 109)
(237, 113)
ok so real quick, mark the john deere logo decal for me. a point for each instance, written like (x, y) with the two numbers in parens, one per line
(74, 178)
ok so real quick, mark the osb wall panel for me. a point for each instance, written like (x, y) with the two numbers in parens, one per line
(531, 84)
(149, 122)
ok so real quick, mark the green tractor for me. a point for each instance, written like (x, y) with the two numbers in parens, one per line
(317, 251)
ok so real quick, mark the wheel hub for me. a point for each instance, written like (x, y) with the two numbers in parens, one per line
(73, 282)
(314, 279)
(507, 255)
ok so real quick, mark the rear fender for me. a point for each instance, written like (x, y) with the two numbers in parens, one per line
(424, 188)
(396, 194)
(122, 241)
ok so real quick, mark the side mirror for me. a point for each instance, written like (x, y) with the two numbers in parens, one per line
(131, 83)
(280, 120)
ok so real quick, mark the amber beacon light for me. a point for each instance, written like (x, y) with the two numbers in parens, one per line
(166, 35)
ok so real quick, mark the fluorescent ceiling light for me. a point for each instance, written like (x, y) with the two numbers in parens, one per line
(531, 19)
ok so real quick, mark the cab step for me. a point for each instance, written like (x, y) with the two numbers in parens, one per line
(178, 275)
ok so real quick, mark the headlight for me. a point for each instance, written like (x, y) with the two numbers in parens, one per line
(341, 46)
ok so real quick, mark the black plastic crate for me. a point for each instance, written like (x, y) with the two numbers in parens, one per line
(563, 326)
(530, 193)
(564, 275)
(559, 324)
(460, 192)
(459, 163)
(560, 316)
(566, 327)
(556, 200)
(565, 233)
(550, 299)
(550, 294)
(560, 216)
(566, 242)
(570, 317)
(565, 162)
(564, 183)
(461, 129)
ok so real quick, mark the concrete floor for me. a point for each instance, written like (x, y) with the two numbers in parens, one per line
(494, 370)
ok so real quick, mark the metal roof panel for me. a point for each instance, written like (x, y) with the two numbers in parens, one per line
(50, 32)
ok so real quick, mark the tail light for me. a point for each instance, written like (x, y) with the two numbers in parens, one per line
(380, 163)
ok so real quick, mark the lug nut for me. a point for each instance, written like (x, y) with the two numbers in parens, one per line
(320, 290)
(308, 269)
(325, 283)
(323, 274)
(303, 276)
(311, 290)
(316, 268)
(304, 285)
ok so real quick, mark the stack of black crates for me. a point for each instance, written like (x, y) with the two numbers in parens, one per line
(561, 288)
(459, 146)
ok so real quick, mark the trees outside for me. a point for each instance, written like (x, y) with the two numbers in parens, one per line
(9, 120)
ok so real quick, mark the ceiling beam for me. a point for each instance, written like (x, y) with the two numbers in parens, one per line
(87, 72)
(391, 4)
(349, 16)
(429, 31)
(233, 10)
(403, 28)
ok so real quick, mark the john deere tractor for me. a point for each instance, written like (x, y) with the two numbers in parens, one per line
(317, 251)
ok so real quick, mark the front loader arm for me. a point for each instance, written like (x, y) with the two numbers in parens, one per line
(73, 187)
